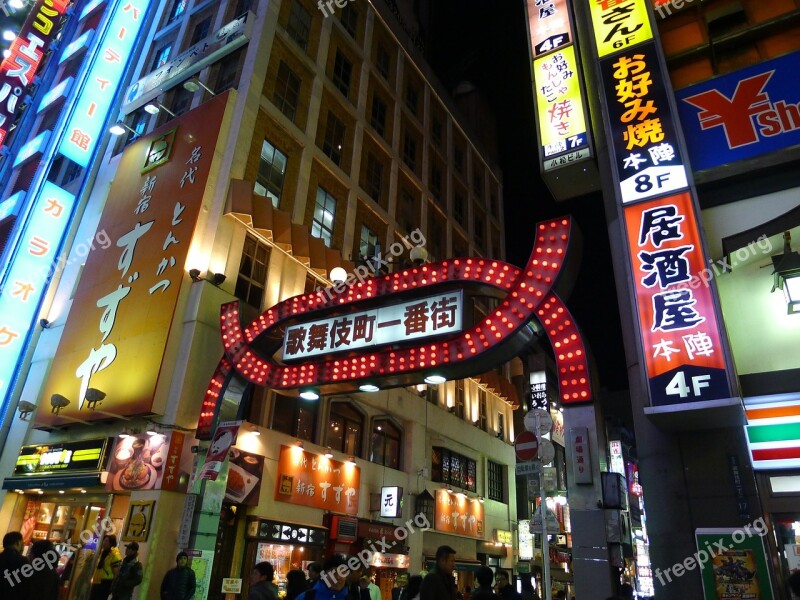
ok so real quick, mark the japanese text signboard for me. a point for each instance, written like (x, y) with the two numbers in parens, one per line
(619, 24)
(679, 330)
(124, 304)
(309, 479)
(418, 318)
(455, 513)
(25, 57)
(642, 132)
(561, 118)
(549, 25)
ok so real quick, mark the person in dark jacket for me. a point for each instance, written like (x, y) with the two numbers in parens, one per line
(331, 585)
(44, 580)
(179, 583)
(261, 586)
(411, 591)
(398, 592)
(129, 575)
(296, 584)
(439, 583)
(484, 591)
(13, 586)
(504, 587)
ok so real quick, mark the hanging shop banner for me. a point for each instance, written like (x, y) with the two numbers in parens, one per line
(549, 25)
(559, 105)
(679, 329)
(416, 319)
(309, 479)
(743, 114)
(455, 513)
(619, 24)
(150, 462)
(245, 472)
(25, 56)
(773, 435)
(224, 437)
(643, 133)
(116, 333)
(86, 125)
(737, 568)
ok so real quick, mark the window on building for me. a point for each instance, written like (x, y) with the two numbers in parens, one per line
(162, 56)
(495, 476)
(295, 417)
(501, 424)
(342, 71)
(344, 428)
(299, 24)
(459, 398)
(324, 214)
(477, 183)
(453, 468)
(436, 182)
(385, 448)
(350, 19)
(480, 232)
(242, 6)
(408, 215)
(367, 242)
(374, 178)
(410, 151)
(334, 138)
(181, 101)
(271, 171)
(412, 98)
(458, 160)
(482, 409)
(383, 61)
(436, 131)
(378, 116)
(458, 208)
(178, 9)
(287, 91)
(252, 276)
(200, 31)
(228, 72)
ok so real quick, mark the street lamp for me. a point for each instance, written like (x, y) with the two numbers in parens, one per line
(786, 275)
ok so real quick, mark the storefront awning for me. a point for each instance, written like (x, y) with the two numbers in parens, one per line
(45, 482)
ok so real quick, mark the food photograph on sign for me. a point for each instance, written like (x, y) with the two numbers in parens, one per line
(150, 462)
(245, 472)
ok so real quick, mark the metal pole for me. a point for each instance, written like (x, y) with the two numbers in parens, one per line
(543, 508)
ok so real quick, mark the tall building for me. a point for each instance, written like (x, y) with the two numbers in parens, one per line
(263, 144)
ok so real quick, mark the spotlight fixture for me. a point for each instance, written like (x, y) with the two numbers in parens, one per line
(328, 453)
(255, 431)
(435, 379)
(299, 443)
(57, 401)
(449, 489)
(217, 279)
(369, 387)
(309, 394)
(351, 460)
(452, 409)
(418, 255)
(195, 275)
(481, 499)
(154, 108)
(338, 274)
(123, 435)
(9, 35)
(194, 84)
(786, 275)
(25, 408)
(44, 323)
(119, 128)
(152, 429)
(93, 396)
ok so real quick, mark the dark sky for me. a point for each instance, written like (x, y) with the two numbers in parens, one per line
(485, 42)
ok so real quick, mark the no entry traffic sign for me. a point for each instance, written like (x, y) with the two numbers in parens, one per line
(526, 446)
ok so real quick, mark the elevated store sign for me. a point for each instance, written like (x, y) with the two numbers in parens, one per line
(460, 353)
(455, 513)
(65, 457)
(773, 435)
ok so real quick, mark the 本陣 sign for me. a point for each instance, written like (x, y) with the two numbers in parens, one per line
(743, 114)
(419, 318)
(548, 25)
(309, 479)
(642, 131)
(619, 24)
(559, 105)
(679, 329)
(116, 333)
(455, 513)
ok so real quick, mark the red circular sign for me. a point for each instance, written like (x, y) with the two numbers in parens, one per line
(526, 446)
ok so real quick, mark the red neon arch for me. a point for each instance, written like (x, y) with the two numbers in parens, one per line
(529, 294)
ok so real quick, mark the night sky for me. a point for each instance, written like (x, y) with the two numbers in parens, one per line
(485, 42)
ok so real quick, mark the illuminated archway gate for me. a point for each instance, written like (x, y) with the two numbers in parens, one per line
(528, 295)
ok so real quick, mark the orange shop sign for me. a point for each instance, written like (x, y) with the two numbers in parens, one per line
(117, 330)
(455, 513)
(313, 480)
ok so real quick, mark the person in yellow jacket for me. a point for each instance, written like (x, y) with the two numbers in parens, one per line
(107, 568)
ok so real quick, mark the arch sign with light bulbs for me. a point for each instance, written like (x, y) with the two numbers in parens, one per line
(325, 347)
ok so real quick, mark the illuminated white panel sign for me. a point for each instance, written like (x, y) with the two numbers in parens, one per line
(85, 126)
(617, 462)
(30, 272)
(420, 318)
(391, 497)
(82, 43)
(60, 91)
(32, 148)
(525, 540)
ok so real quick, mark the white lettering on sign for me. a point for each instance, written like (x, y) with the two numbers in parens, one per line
(420, 318)
(55, 457)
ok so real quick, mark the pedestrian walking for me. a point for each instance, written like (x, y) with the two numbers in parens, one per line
(296, 584)
(413, 587)
(439, 583)
(261, 586)
(44, 581)
(13, 586)
(504, 587)
(129, 575)
(332, 584)
(179, 583)
(484, 591)
(107, 568)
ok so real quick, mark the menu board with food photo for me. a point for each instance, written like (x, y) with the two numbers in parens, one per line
(150, 462)
(245, 472)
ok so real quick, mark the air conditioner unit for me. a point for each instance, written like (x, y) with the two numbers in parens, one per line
(344, 529)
